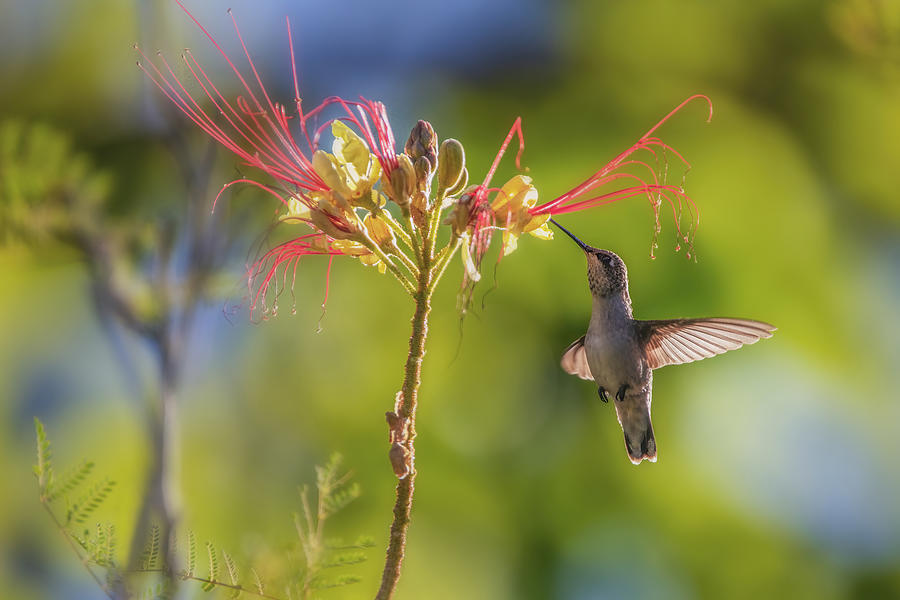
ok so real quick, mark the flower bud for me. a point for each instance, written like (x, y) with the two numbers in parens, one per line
(403, 181)
(422, 143)
(422, 150)
(423, 171)
(451, 164)
(461, 184)
(378, 231)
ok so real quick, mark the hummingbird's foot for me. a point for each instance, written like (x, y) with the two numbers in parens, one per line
(604, 395)
(620, 395)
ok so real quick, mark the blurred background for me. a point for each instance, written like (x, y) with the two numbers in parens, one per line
(778, 464)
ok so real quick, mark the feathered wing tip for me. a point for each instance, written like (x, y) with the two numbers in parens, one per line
(679, 341)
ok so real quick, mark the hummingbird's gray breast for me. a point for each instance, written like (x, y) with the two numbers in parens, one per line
(613, 350)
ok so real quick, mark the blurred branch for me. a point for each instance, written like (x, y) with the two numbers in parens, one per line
(49, 192)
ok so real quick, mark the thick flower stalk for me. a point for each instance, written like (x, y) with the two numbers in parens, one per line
(405, 213)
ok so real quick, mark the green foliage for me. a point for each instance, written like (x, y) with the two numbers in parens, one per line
(98, 547)
(89, 502)
(150, 555)
(334, 492)
(213, 567)
(192, 554)
(46, 188)
(257, 582)
(43, 470)
(71, 480)
(232, 573)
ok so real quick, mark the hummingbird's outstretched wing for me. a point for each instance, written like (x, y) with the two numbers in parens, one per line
(678, 341)
(574, 360)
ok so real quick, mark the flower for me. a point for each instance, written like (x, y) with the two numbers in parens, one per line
(343, 194)
(317, 188)
(515, 210)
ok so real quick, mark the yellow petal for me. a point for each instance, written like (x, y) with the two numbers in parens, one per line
(538, 222)
(543, 232)
(351, 248)
(326, 167)
(510, 242)
(515, 193)
(296, 211)
(472, 273)
(349, 147)
(369, 259)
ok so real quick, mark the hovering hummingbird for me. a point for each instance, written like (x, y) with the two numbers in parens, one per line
(619, 352)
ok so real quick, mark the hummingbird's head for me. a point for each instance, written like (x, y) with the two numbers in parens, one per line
(607, 274)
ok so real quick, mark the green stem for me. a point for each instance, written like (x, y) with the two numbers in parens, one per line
(397, 228)
(407, 261)
(443, 260)
(415, 236)
(407, 410)
(231, 586)
(395, 271)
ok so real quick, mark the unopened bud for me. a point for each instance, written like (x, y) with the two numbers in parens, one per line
(451, 164)
(378, 231)
(422, 143)
(461, 184)
(403, 180)
(424, 169)
(422, 149)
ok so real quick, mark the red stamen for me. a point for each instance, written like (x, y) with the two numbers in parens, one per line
(573, 200)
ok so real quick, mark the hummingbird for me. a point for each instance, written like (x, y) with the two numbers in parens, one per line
(619, 352)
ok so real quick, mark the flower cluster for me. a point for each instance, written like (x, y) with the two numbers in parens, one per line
(386, 209)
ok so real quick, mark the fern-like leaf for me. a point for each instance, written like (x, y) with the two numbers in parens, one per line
(341, 581)
(257, 581)
(213, 567)
(81, 510)
(150, 556)
(192, 554)
(71, 480)
(43, 470)
(232, 573)
(160, 591)
(343, 559)
(101, 548)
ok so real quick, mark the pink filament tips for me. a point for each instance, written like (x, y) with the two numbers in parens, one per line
(267, 278)
(651, 182)
(255, 128)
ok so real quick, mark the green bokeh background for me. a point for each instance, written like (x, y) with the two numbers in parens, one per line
(778, 464)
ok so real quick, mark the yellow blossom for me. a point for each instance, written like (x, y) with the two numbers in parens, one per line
(511, 209)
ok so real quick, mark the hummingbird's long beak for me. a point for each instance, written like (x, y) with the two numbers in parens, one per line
(569, 233)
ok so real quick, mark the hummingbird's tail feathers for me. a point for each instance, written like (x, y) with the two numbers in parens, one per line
(574, 360)
(679, 341)
(641, 447)
(633, 412)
